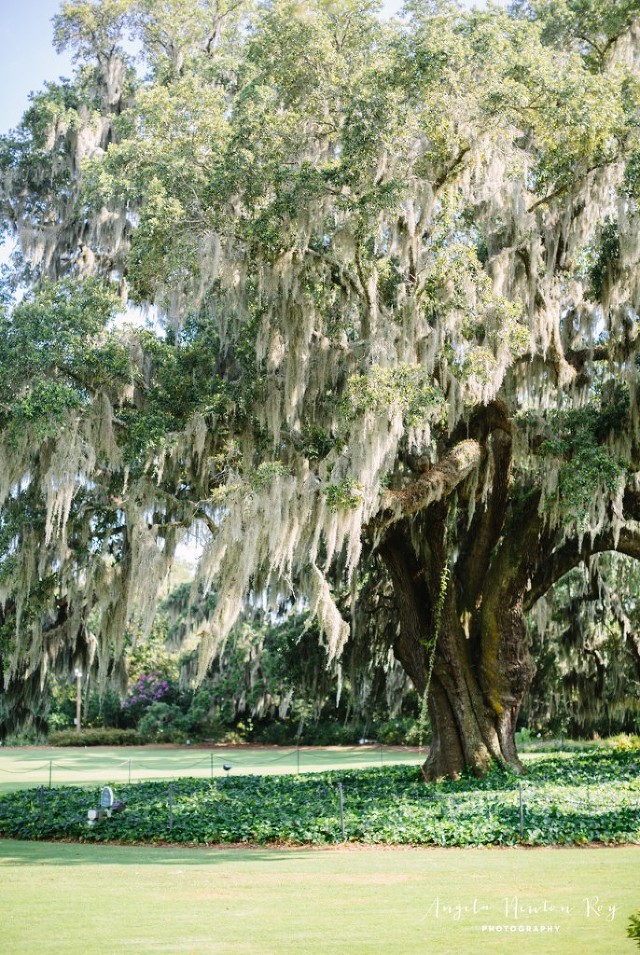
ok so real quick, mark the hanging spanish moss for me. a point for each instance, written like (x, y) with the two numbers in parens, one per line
(585, 635)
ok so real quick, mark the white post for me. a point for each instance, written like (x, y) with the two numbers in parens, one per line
(78, 699)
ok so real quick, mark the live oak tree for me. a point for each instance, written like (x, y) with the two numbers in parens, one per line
(390, 275)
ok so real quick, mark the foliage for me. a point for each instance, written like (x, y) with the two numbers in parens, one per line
(269, 683)
(403, 387)
(95, 736)
(588, 798)
(606, 258)
(163, 723)
(590, 27)
(149, 688)
(633, 930)
(99, 709)
(387, 277)
(56, 350)
(343, 496)
(586, 468)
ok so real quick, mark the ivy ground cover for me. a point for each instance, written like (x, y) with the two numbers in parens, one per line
(577, 799)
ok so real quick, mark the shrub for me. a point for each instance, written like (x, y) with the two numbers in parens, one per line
(633, 930)
(624, 742)
(403, 731)
(164, 723)
(149, 688)
(97, 736)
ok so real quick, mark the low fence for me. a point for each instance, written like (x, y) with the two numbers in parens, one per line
(171, 764)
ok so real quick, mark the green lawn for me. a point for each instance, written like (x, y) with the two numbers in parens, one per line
(23, 767)
(84, 900)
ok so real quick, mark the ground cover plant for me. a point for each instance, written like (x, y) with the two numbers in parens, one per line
(594, 796)
(260, 902)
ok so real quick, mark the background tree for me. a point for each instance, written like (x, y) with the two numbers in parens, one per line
(586, 644)
(391, 277)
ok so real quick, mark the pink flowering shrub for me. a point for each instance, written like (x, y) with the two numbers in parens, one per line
(149, 688)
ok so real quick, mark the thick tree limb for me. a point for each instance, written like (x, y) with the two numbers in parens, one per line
(438, 482)
(451, 168)
(578, 357)
(488, 520)
(563, 189)
(569, 555)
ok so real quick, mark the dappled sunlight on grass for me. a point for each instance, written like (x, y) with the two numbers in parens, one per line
(81, 900)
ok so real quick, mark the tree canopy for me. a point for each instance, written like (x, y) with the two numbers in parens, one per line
(389, 271)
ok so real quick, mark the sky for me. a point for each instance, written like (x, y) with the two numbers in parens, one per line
(28, 57)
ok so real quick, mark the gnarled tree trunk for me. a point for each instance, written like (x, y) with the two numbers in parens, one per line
(461, 584)
(481, 664)
(495, 566)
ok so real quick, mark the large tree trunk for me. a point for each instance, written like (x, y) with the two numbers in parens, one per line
(481, 663)
(480, 668)
(478, 683)
(475, 693)
(495, 564)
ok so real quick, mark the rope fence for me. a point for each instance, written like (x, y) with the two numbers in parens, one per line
(519, 808)
(516, 811)
(295, 760)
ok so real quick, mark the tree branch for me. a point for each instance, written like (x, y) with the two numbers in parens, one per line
(488, 521)
(438, 482)
(561, 190)
(555, 565)
(347, 280)
(453, 165)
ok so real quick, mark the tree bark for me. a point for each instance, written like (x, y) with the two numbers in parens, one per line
(481, 665)
(496, 564)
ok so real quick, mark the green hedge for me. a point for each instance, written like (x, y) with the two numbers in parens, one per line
(593, 797)
(100, 736)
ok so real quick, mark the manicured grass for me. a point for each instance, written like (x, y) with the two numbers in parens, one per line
(88, 900)
(593, 797)
(22, 767)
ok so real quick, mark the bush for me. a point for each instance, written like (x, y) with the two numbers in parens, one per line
(325, 732)
(624, 742)
(277, 733)
(164, 723)
(97, 736)
(29, 736)
(634, 927)
(403, 731)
